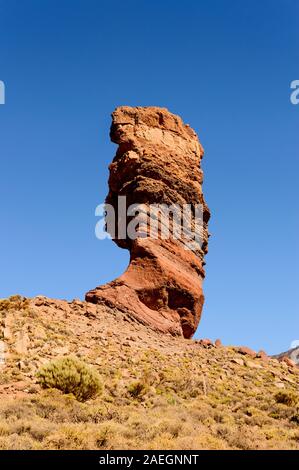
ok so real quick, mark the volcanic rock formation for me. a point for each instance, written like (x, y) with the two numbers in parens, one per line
(292, 354)
(157, 163)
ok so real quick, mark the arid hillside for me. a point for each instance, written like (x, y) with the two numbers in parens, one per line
(156, 391)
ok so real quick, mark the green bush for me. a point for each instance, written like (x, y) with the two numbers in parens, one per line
(70, 375)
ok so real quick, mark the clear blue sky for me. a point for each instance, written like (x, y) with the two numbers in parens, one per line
(225, 66)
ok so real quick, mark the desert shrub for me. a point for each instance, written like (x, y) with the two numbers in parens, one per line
(16, 442)
(70, 375)
(15, 302)
(37, 428)
(137, 389)
(295, 418)
(286, 398)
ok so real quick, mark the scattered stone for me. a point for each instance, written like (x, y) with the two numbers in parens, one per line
(246, 351)
(20, 385)
(7, 334)
(288, 361)
(3, 353)
(253, 365)
(263, 356)
(238, 361)
(279, 385)
(206, 342)
(61, 350)
(33, 389)
(22, 342)
(40, 333)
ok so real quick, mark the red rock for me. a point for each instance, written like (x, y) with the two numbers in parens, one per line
(218, 343)
(206, 342)
(247, 351)
(157, 162)
(238, 361)
(263, 356)
(253, 364)
(288, 361)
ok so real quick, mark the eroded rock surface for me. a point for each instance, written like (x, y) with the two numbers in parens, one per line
(157, 162)
(290, 355)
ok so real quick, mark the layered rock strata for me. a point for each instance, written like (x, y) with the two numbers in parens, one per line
(157, 168)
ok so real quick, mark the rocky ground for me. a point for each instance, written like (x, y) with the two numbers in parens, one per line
(159, 391)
